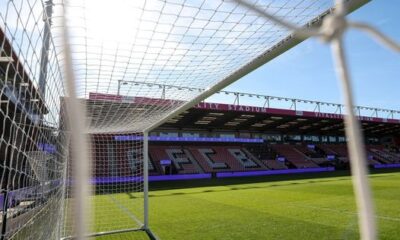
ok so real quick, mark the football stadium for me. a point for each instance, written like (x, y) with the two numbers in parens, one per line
(119, 120)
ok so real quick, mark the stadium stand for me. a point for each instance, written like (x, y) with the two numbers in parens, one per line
(294, 156)
(28, 165)
(266, 155)
(261, 151)
(216, 137)
(225, 158)
(20, 102)
(182, 159)
(382, 155)
(252, 139)
(274, 164)
(196, 158)
(340, 150)
(192, 158)
(121, 158)
(207, 159)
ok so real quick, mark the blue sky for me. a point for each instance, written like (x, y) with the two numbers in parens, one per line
(306, 71)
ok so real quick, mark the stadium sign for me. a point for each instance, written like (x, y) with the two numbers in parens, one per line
(233, 107)
(286, 112)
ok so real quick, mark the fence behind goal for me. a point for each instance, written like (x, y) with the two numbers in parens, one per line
(113, 45)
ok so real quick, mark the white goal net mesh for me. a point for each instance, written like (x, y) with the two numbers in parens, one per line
(32, 143)
(121, 48)
(137, 61)
(135, 64)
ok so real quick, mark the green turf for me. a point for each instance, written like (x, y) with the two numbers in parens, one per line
(263, 208)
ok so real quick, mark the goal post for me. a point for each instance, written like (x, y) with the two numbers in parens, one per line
(121, 109)
(146, 180)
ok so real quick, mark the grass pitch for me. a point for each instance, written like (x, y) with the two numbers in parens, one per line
(267, 208)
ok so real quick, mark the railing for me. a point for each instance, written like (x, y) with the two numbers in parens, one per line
(274, 101)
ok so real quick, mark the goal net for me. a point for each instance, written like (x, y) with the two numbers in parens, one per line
(135, 65)
(32, 144)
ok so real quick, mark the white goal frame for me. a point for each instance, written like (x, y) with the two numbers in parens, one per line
(281, 47)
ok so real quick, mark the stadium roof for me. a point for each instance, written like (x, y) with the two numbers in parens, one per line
(218, 116)
(238, 117)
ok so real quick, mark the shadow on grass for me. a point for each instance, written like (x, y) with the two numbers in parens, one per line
(170, 185)
(322, 177)
(131, 195)
(242, 188)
